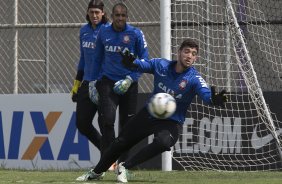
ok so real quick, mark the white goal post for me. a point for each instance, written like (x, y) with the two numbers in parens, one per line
(165, 28)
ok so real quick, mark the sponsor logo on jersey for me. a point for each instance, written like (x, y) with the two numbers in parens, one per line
(183, 84)
(126, 39)
(169, 91)
(90, 45)
(111, 48)
(166, 89)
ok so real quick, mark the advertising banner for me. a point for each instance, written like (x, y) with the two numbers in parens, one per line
(38, 131)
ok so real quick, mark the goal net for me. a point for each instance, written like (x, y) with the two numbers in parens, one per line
(240, 51)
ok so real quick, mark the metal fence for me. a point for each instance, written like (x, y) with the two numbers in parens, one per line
(39, 42)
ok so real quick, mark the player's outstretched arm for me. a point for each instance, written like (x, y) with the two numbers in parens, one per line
(218, 99)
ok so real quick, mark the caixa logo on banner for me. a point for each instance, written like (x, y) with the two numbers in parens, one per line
(220, 135)
(71, 142)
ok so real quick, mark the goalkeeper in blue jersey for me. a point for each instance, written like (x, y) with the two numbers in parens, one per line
(182, 81)
(118, 85)
(85, 108)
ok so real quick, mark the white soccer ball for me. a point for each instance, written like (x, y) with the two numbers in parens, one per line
(162, 105)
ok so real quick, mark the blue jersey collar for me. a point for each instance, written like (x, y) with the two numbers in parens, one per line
(172, 65)
(97, 26)
(125, 28)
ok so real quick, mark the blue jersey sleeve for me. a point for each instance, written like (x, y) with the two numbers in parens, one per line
(141, 51)
(202, 89)
(81, 62)
(142, 48)
(146, 65)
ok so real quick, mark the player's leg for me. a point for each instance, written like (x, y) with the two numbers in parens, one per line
(108, 102)
(85, 112)
(128, 104)
(133, 132)
(127, 109)
(166, 134)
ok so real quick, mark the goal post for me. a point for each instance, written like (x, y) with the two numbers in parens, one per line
(165, 29)
(239, 52)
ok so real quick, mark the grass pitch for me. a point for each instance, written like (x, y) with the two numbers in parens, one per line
(138, 177)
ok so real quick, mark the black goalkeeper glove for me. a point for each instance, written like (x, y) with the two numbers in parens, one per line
(218, 98)
(128, 59)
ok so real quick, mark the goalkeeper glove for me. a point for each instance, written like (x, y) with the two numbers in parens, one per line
(128, 60)
(93, 93)
(218, 98)
(122, 86)
(74, 90)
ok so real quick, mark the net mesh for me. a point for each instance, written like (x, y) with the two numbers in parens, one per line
(39, 48)
(239, 51)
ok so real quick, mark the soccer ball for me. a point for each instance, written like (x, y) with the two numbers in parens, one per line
(162, 105)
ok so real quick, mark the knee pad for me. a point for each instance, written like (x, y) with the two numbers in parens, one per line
(163, 140)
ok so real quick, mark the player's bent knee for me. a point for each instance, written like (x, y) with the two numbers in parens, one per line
(163, 140)
(119, 144)
(83, 129)
(107, 120)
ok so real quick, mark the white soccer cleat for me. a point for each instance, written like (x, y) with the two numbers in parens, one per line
(121, 173)
(90, 175)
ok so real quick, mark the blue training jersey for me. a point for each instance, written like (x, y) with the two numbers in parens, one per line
(182, 86)
(88, 36)
(108, 46)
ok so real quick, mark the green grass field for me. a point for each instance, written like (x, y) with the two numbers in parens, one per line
(138, 177)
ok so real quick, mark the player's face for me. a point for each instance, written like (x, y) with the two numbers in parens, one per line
(95, 15)
(119, 17)
(187, 56)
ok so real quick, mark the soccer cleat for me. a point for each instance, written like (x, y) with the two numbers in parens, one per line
(121, 173)
(90, 175)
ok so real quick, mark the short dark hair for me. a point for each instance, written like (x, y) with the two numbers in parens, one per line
(100, 5)
(121, 5)
(189, 43)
